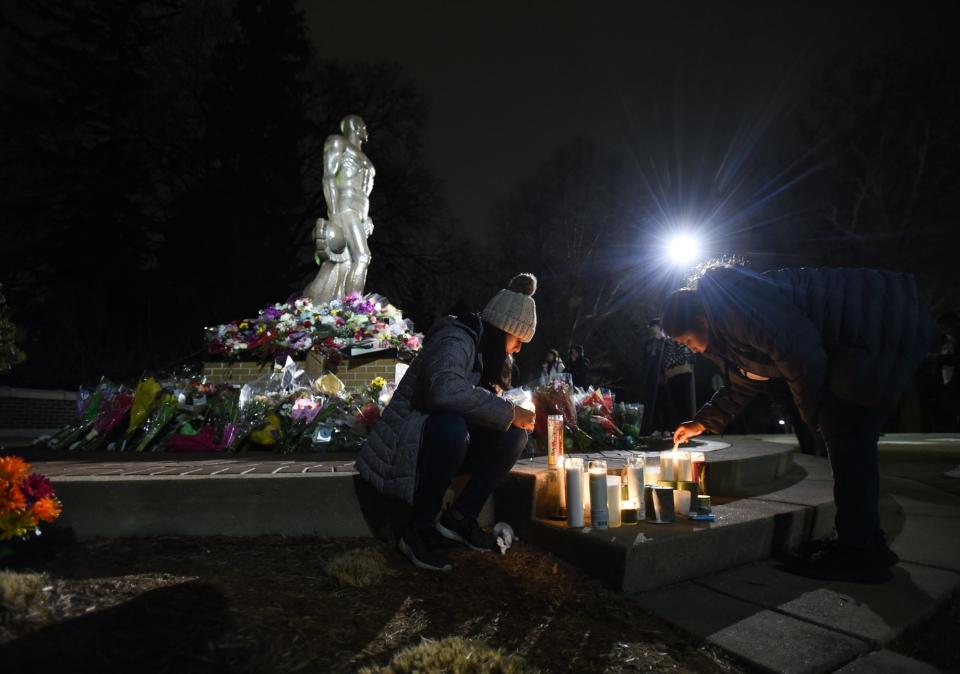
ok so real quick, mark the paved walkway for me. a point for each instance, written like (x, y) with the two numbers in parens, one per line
(65, 470)
(784, 623)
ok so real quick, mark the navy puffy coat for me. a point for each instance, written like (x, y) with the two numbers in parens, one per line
(856, 334)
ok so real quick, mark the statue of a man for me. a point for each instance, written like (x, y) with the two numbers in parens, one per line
(341, 238)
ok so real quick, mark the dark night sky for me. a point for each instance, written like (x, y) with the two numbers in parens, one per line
(510, 82)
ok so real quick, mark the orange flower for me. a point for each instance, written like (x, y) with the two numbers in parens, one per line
(13, 469)
(12, 499)
(46, 509)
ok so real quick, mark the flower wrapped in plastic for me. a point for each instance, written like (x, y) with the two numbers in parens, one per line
(88, 409)
(113, 410)
(144, 399)
(163, 413)
(554, 398)
(26, 499)
(223, 413)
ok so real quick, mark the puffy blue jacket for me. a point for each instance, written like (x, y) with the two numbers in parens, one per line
(857, 334)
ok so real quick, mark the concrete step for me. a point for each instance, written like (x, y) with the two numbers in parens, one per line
(778, 515)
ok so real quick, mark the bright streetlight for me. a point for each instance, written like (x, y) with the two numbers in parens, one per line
(683, 249)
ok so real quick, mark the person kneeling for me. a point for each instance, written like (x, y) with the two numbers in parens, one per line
(447, 417)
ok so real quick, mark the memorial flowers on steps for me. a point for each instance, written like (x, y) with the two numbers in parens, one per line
(299, 326)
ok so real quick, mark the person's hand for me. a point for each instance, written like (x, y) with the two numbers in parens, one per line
(687, 430)
(523, 418)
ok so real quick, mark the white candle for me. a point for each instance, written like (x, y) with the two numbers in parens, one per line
(668, 466)
(684, 467)
(613, 501)
(573, 469)
(634, 475)
(681, 501)
(651, 471)
(598, 494)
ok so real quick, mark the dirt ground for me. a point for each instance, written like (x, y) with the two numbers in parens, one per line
(265, 605)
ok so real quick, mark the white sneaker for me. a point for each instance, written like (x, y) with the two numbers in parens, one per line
(952, 473)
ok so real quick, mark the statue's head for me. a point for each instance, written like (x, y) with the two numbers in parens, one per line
(353, 125)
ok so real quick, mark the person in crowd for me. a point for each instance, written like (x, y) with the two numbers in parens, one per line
(552, 366)
(949, 398)
(845, 342)
(446, 417)
(578, 366)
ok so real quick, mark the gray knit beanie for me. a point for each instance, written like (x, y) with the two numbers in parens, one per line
(513, 309)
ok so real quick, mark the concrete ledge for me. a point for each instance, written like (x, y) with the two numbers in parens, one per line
(317, 505)
(783, 505)
(37, 393)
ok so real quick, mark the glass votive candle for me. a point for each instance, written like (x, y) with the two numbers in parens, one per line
(668, 465)
(574, 487)
(598, 493)
(699, 464)
(684, 470)
(633, 475)
(614, 503)
(704, 506)
(651, 469)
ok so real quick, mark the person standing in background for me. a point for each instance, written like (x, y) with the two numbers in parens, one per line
(578, 366)
(552, 366)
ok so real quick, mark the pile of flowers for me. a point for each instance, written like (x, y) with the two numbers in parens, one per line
(283, 411)
(592, 419)
(26, 499)
(367, 321)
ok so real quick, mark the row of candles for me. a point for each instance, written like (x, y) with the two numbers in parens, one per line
(655, 487)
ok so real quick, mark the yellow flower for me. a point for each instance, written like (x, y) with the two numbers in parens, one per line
(377, 384)
(244, 325)
(15, 524)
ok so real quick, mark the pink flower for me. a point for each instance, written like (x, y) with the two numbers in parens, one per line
(413, 342)
(36, 486)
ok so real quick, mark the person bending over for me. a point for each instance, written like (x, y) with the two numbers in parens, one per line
(447, 417)
(845, 342)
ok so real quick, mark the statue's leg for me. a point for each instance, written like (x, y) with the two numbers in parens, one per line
(328, 283)
(356, 237)
(343, 275)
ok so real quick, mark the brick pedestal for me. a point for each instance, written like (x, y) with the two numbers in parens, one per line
(355, 372)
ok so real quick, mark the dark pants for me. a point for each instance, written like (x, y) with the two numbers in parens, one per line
(851, 433)
(449, 447)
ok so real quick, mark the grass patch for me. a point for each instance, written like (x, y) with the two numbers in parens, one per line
(363, 567)
(18, 590)
(455, 655)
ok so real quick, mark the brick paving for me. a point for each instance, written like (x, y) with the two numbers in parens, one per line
(196, 468)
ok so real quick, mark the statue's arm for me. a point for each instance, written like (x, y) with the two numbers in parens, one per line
(333, 150)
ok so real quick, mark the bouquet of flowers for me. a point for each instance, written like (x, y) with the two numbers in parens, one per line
(26, 499)
(554, 398)
(163, 413)
(113, 411)
(88, 408)
(299, 326)
(144, 399)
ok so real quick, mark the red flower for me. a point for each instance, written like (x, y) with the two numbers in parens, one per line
(36, 487)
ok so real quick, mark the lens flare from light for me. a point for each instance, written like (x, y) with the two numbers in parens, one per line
(683, 249)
